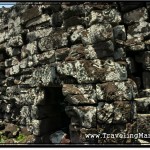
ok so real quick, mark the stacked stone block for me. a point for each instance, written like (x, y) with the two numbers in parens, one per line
(97, 54)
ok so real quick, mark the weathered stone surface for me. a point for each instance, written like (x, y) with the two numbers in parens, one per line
(30, 14)
(38, 20)
(3, 36)
(34, 35)
(12, 51)
(29, 49)
(97, 33)
(119, 54)
(13, 70)
(41, 76)
(74, 10)
(90, 52)
(111, 16)
(11, 130)
(79, 94)
(11, 62)
(61, 53)
(116, 90)
(59, 137)
(91, 71)
(143, 125)
(46, 57)
(143, 105)
(134, 44)
(117, 112)
(80, 135)
(55, 40)
(114, 134)
(76, 33)
(84, 64)
(136, 15)
(140, 29)
(15, 41)
(119, 32)
(83, 116)
(99, 50)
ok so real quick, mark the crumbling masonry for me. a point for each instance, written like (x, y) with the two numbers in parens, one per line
(83, 68)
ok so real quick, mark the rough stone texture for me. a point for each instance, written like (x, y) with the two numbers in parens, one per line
(144, 126)
(137, 15)
(116, 91)
(117, 112)
(80, 68)
(94, 70)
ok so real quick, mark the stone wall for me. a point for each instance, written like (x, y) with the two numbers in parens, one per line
(82, 68)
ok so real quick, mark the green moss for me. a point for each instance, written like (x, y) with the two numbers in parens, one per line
(2, 139)
(20, 138)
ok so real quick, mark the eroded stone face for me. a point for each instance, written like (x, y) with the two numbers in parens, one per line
(143, 104)
(114, 134)
(55, 40)
(84, 64)
(117, 112)
(104, 16)
(79, 94)
(116, 91)
(136, 15)
(82, 116)
(143, 123)
(15, 41)
(97, 33)
(138, 30)
(94, 70)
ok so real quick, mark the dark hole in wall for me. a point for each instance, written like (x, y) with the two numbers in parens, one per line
(138, 68)
(54, 116)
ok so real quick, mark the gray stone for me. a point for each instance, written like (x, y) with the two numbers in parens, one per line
(140, 29)
(143, 104)
(12, 51)
(11, 62)
(61, 53)
(3, 36)
(137, 15)
(34, 35)
(15, 41)
(79, 94)
(117, 112)
(83, 116)
(119, 32)
(31, 14)
(108, 132)
(93, 70)
(119, 54)
(81, 135)
(44, 75)
(15, 70)
(143, 125)
(97, 33)
(111, 16)
(116, 90)
(134, 44)
(53, 41)
(38, 20)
